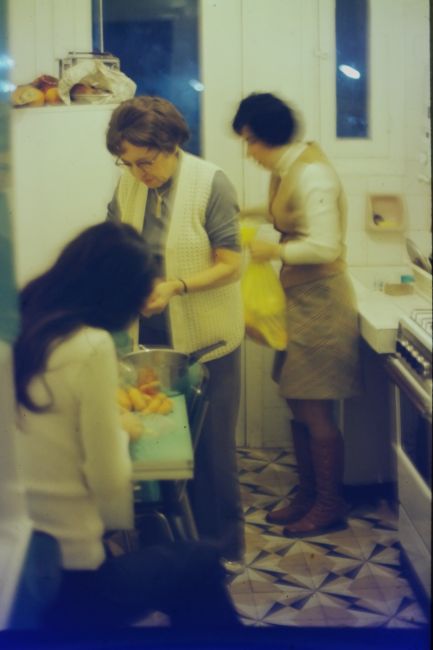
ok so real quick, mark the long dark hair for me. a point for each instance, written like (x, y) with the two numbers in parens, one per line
(100, 279)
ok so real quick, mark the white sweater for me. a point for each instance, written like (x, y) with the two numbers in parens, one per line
(204, 317)
(74, 458)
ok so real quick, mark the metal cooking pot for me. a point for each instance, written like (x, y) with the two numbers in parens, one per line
(170, 366)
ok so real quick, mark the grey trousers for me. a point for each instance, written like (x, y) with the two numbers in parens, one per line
(215, 491)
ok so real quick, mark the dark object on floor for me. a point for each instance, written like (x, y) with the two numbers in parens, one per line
(183, 580)
(371, 494)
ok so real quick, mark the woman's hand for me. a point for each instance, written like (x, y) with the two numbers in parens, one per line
(263, 251)
(225, 268)
(162, 292)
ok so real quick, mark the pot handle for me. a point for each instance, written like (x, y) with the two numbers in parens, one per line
(198, 354)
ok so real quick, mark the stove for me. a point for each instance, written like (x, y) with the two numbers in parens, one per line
(414, 348)
(423, 318)
(410, 371)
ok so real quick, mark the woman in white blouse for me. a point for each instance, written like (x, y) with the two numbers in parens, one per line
(307, 206)
(73, 451)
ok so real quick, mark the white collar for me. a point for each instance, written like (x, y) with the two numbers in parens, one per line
(289, 156)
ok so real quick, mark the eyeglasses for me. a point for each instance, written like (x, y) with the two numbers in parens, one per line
(142, 165)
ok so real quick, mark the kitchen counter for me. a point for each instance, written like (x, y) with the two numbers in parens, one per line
(380, 313)
(366, 420)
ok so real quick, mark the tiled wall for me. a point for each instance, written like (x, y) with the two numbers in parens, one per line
(371, 249)
(411, 55)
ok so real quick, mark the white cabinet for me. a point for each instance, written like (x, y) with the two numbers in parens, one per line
(267, 417)
(366, 426)
(62, 178)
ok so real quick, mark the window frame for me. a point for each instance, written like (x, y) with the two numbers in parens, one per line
(386, 98)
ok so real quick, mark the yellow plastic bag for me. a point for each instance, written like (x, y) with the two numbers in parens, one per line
(264, 301)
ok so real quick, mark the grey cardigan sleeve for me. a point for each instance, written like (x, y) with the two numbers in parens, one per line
(222, 222)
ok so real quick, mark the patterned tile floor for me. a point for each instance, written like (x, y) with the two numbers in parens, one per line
(350, 578)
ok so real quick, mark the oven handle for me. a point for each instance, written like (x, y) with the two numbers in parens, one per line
(403, 379)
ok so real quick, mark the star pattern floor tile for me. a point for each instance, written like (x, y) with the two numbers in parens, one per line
(350, 578)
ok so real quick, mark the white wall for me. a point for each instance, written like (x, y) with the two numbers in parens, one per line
(43, 31)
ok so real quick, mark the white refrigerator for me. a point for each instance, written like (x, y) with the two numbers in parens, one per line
(63, 178)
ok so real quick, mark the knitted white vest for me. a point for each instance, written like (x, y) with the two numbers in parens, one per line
(201, 318)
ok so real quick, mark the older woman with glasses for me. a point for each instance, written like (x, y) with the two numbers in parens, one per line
(186, 210)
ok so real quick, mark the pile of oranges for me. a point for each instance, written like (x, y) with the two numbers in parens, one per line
(146, 397)
(43, 90)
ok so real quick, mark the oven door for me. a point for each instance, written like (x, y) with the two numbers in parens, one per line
(411, 420)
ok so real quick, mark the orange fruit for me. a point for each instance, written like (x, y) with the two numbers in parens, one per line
(52, 96)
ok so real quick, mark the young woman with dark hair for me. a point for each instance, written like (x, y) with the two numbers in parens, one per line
(307, 206)
(101, 280)
(73, 452)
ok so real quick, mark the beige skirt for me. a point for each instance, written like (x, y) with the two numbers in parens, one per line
(322, 356)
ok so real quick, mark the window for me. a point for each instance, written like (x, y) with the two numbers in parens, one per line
(352, 78)
(357, 123)
(157, 44)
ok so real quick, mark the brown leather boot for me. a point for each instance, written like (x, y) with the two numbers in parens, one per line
(329, 510)
(304, 497)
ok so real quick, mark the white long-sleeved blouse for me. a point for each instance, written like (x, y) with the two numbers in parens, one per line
(74, 458)
(315, 197)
